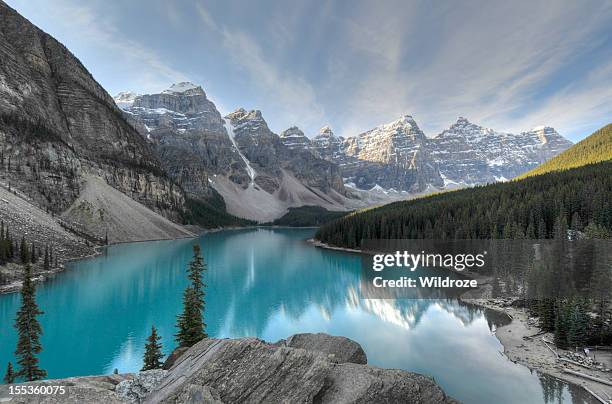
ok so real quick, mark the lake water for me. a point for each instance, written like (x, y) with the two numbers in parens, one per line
(267, 283)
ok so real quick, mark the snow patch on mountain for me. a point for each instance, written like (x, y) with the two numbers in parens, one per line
(125, 99)
(250, 170)
(182, 88)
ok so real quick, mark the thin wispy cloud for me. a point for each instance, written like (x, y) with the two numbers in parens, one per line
(295, 95)
(354, 65)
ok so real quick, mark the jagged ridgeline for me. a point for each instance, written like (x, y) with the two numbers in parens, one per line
(580, 197)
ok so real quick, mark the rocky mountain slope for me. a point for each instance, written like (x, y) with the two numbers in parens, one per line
(237, 157)
(400, 160)
(104, 210)
(394, 155)
(470, 154)
(58, 126)
(39, 228)
(305, 368)
(57, 121)
(189, 136)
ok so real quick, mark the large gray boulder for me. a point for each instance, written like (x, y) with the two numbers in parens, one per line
(249, 370)
(338, 349)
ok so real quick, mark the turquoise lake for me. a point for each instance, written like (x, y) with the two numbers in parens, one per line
(267, 283)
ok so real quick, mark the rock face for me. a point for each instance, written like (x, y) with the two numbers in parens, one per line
(401, 156)
(57, 123)
(270, 156)
(258, 173)
(398, 158)
(249, 370)
(394, 156)
(469, 154)
(293, 138)
(109, 214)
(306, 368)
(79, 390)
(139, 386)
(329, 146)
(343, 349)
(189, 136)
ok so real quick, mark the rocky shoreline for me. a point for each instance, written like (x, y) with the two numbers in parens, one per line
(303, 368)
(524, 343)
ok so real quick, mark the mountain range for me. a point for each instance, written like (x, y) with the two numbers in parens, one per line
(139, 166)
(572, 192)
(237, 156)
(260, 174)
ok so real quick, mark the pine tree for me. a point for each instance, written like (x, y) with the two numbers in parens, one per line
(46, 262)
(546, 313)
(190, 323)
(195, 271)
(29, 331)
(576, 223)
(33, 254)
(23, 250)
(496, 288)
(153, 352)
(562, 326)
(9, 376)
(579, 324)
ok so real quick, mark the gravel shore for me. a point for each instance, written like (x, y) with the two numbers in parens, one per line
(525, 344)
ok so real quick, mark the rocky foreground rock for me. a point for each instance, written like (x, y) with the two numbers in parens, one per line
(305, 368)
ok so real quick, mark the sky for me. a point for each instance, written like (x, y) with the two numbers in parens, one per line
(355, 64)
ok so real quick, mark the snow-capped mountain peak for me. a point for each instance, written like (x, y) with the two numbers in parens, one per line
(184, 88)
(547, 136)
(125, 98)
(294, 138)
(404, 127)
(326, 131)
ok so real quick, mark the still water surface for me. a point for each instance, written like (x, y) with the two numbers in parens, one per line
(267, 283)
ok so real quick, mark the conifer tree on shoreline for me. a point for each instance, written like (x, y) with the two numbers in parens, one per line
(190, 323)
(153, 352)
(9, 376)
(29, 331)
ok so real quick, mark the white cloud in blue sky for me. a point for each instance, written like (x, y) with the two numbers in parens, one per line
(355, 64)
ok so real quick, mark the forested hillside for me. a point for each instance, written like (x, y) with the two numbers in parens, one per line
(580, 197)
(595, 148)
